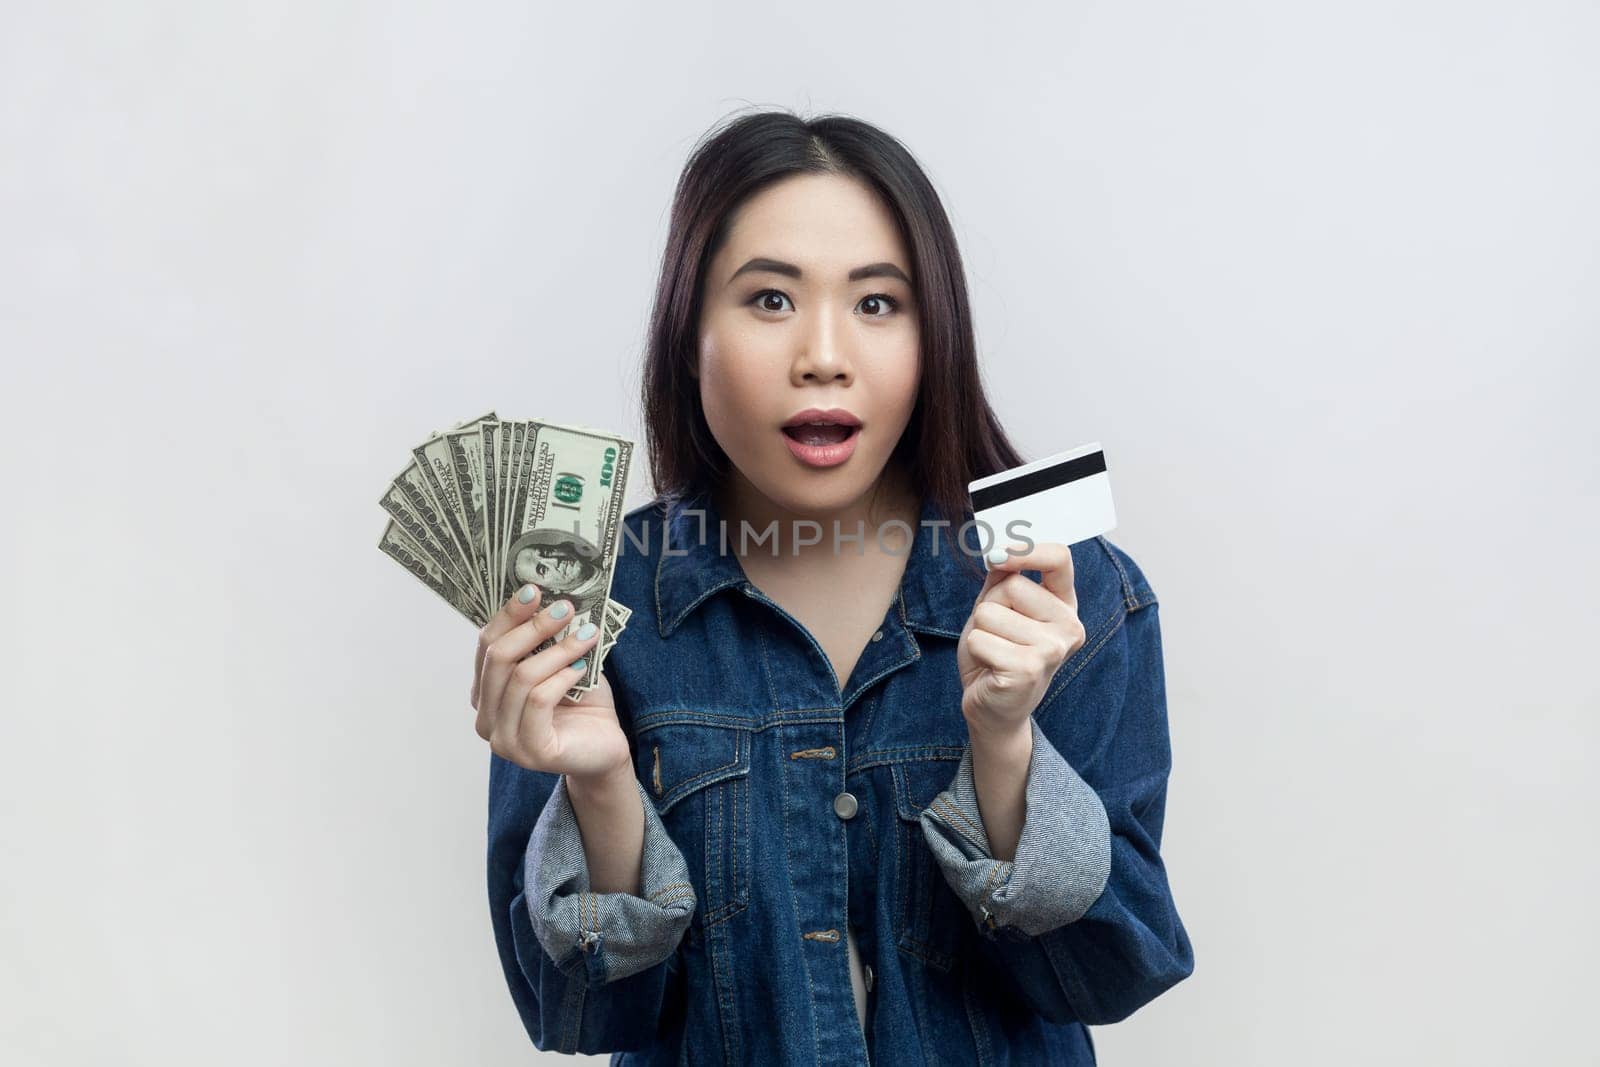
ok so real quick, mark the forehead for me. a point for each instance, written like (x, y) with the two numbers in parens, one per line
(824, 223)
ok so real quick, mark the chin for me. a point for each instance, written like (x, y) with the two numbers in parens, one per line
(812, 493)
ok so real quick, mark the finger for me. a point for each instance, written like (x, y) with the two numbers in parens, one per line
(1024, 595)
(513, 645)
(1013, 625)
(539, 716)
(524, 716)
(990, 580)
(515, 611)
(505, 722)
(996, 653)
(1052, 560)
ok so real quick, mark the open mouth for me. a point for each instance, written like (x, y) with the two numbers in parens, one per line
(818, 434)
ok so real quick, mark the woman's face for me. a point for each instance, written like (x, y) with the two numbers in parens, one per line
(784, 327)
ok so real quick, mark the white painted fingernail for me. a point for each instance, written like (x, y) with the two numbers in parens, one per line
(560, 610)
(997, 555)
(525, 594)
(586, 631)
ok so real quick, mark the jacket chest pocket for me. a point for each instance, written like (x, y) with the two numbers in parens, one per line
(698, 775)
(929, 918)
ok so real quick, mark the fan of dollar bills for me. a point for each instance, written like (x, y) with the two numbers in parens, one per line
(489, 506)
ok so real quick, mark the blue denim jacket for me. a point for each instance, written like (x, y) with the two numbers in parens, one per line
(754, 861)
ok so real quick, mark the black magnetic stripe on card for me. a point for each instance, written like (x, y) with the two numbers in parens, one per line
(1038, 481)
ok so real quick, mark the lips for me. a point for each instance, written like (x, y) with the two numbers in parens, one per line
(822, 438)
(834, 421)
(819, 433)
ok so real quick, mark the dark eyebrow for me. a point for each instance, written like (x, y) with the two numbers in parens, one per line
(777, 266)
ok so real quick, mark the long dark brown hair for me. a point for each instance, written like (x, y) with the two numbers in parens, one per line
(953, 435)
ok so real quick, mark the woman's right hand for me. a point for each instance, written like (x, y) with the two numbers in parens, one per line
(521, 699)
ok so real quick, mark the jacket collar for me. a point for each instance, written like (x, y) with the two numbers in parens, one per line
(936, 591)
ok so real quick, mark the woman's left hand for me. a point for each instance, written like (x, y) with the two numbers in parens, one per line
(1019, 633)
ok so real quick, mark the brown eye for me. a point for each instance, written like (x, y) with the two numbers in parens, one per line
(879, 305)
(764, 300)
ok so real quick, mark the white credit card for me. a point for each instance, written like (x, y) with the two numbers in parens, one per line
(1065, 498)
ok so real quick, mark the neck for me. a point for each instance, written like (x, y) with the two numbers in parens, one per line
(890, 497)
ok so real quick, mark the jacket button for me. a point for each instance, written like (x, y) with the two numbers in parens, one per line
(878, 636)
(844, 805)
(867, 974)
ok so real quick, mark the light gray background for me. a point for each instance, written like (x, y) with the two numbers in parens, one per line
(1321, 277)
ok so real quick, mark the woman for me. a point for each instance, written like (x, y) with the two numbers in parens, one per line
(840, 796)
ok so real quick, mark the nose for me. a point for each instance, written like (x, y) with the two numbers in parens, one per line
(823, 354)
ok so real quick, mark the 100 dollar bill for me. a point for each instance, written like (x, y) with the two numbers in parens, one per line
(566, 517)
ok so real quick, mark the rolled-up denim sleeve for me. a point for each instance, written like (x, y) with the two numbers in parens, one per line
(1082, 919)
(620, 933)
(587, 971)
(1063, 856)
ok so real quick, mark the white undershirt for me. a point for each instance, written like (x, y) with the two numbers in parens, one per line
(858, 980)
